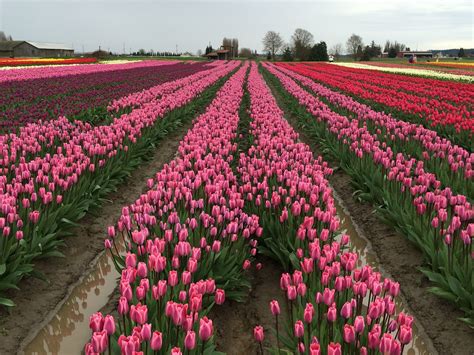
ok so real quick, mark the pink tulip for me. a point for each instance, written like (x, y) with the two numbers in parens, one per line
(334, 349)
(205, 329)
(299, 329)
(156, 341)
(190, 340)
(258, 333)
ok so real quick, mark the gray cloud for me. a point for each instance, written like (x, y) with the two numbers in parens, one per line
(161, 25)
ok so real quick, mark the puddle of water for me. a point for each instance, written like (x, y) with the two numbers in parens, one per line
(68, 331)
(418, 345)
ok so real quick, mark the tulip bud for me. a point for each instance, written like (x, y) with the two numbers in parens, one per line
(258, 333)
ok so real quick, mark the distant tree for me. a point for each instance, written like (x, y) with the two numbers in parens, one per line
(461, 52)
(231, 44)
(302, 43)
(392, 52)
(246, 53)
(226, 42)
(272, 43)
(141, 51)
(392, 48)
(319, 52)
(235, 47)
(3, 37)
(366, 54)
(269, 56)
(287, 54)
(359, 52)
(336, 50)
(375, 50)
(408, 49)
(354, 46)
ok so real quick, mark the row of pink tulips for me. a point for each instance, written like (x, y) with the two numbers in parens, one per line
(159, 90)
(38, 194)
(183, 230)
(333, 305)
(437, 220)
(188, 243)
(37, 139)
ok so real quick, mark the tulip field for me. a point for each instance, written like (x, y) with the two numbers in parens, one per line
(252, 180)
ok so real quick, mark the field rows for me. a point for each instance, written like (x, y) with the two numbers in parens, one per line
(242, 185)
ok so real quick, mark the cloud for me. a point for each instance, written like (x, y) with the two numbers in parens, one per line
(191, 24)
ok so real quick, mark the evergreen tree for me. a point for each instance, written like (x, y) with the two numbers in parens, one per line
(392, 52)
(319, 52)
(366, 54)
(461, 52)
(287, 55)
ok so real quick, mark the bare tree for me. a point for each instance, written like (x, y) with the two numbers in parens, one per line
(235, 47)
(302, 42)
(354, 42)
(199, 53)
(245, 53)
(232, 45)
(336, 50)
(3, 37)
(272, 43)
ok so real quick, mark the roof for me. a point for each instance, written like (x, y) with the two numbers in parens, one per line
(416, 52)
(223, 51)
(44, 45)
(212, 54)
(9, 45)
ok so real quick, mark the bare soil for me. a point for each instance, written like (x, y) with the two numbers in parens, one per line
(235, 321)
(37, 299)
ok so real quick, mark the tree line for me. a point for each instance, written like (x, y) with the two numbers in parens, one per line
(301, 47)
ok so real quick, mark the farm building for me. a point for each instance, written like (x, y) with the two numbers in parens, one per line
(419, 54)
(220, 54)
(14, 49)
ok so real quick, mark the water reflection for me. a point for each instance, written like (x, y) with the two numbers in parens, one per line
(68, 331)
(367, 256)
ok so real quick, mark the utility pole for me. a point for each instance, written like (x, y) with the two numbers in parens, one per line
(123, 48)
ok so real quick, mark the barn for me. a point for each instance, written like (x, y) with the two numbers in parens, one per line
(13, 49)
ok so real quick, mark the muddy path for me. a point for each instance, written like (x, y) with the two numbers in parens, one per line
(399, 259)
(235, 321)
(37, 301)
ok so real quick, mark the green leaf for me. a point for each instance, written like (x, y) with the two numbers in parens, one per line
(443, 294)
(3, 268)
(7, 302)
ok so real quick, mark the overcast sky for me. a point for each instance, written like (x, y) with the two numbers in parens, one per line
(161, 25)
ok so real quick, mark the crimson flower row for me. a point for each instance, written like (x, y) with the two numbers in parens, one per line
(434, 150)
(435, 111)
